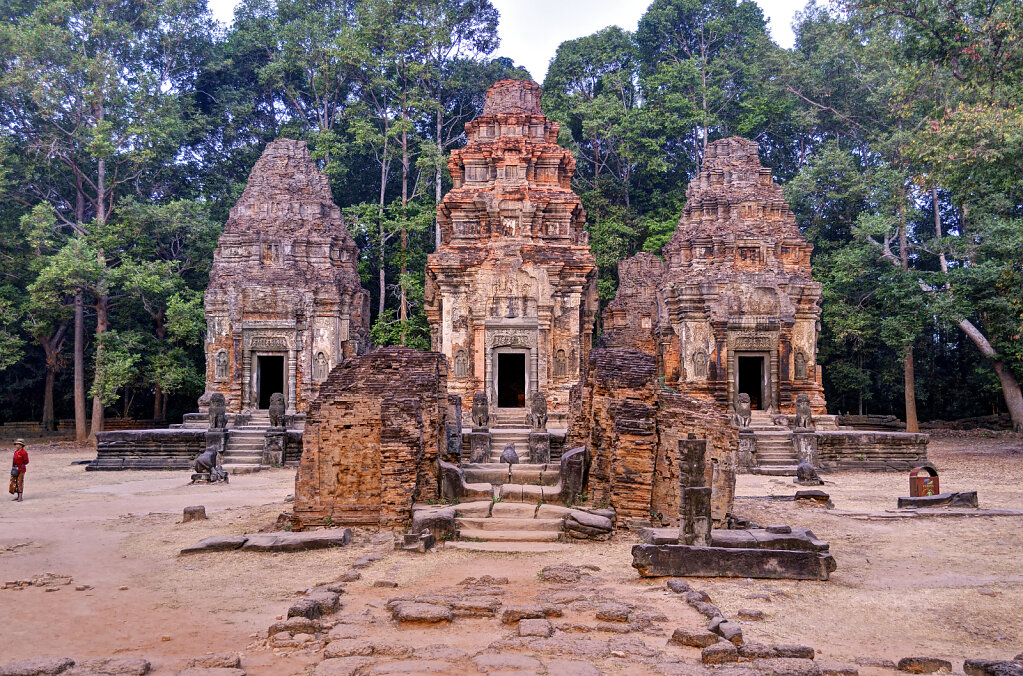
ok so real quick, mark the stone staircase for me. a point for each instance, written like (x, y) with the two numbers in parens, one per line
(515, 514)
(776, 454)
(502, 436)
(244, 451)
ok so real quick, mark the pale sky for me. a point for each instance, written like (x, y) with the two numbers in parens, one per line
(531, 30)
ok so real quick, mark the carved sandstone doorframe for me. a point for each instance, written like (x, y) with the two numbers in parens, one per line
(513, 340)
(260, 343)
(758, 344)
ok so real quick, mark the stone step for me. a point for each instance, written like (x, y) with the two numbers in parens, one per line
(513, 510)
(787, 457)
(510, 535)
(779, 470)
(508, 524)
(240, 468)
(242, 459)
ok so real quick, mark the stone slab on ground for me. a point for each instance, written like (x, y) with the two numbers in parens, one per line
(341, 666)
(924, 665)
(285, 541)
(37, 666)
(967, 499)
(216, 543)
(110, 666)
(688, 561)
(508, 547)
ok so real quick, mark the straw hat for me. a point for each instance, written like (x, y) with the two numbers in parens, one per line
(19, 442)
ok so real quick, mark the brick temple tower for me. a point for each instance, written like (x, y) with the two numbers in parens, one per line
(284, 304)
(737, 310)
(511, 294)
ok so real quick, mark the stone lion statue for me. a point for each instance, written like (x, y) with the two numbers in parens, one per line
(480, 411)
(206, 463)
(277, 410)
(742, 410)
(218, 411)
(804, 417)
(538, 411)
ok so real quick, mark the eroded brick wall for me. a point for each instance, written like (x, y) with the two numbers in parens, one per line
(372, 439)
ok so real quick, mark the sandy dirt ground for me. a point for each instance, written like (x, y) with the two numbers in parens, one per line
(943, 586)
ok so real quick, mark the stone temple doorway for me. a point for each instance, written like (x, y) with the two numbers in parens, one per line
(751, 379)
(511, 380)
(269, 378)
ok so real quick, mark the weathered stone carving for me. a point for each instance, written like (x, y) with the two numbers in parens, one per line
(509, 456)
(700, 364)
(806, 475)
(743, 414)
(221, 368)
(800, 362)
(320, 369)
(461, 364)
(453, 430)
(277, 410)
(284, 293)
(804, 415)
(538, 411)
(218, 411)
(480, 411)
(491, 283)
(207, 468)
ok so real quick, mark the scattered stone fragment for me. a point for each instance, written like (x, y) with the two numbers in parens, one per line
(328, 601)
(294, 625)
(759, 597)
(786, 666)
(426, 613)
(211, 671)
(678, 586)
(350, 576)
(513, 614)
(708, 610)
(829, 668)
(385, 583)
(440, 652)
(875, 662)
(750, 614)
(924, 665)
(720, 653)
(696, 596)
(37, 666)
(366, 560)
(696, 638)
(476, 606)
(730, 631)
(488, 662)
(220, 660)
(613, 611)
(753, 651)
(308, 608)
(194, 513)
(348, 648)
(111, 666)
(794, 651)
(572, 668)
(341, 666)
(560, 574)
(613, 627)
(216, 543)
(536, 627)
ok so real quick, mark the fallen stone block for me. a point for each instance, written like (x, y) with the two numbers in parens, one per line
(595, 521)
(218, 661)
(194, 513)
(750, 614)
(695, 638)
(968, 499)
(977, 667)
(786, 666)
(216, 543)
(721, 652)
(513, 614)
(730, 631)
(111, 666)
(837, 669)
(613, 611)
(328, 601)
(688, 561)
(535, 627)
(794, 651)
(210, 671)
(476, 606)
(560, 574)
(424, 613)
(924, 665)
(488, 662)
(297, 542)
(37, 666)
(307, 608)
(342, 666)
(440, 521)
(813, 496)
(678, 586)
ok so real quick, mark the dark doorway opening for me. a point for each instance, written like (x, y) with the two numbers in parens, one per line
(751, 380)
(511, 380)
(270, 375)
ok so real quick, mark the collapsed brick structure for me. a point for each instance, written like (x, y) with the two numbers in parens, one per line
(284, 304)
(633, 427)
(511, 292)
(372, 440)
(736, 307)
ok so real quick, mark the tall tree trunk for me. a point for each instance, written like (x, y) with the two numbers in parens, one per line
(102, 324)
(382, 274)
(403, 296)
(81, 433)
(157, 402)
(912, 424)
(51, 348)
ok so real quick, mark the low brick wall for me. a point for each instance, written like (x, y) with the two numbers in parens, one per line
(855, 450)
(147, 449)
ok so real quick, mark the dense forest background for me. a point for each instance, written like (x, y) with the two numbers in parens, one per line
(128, 129)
